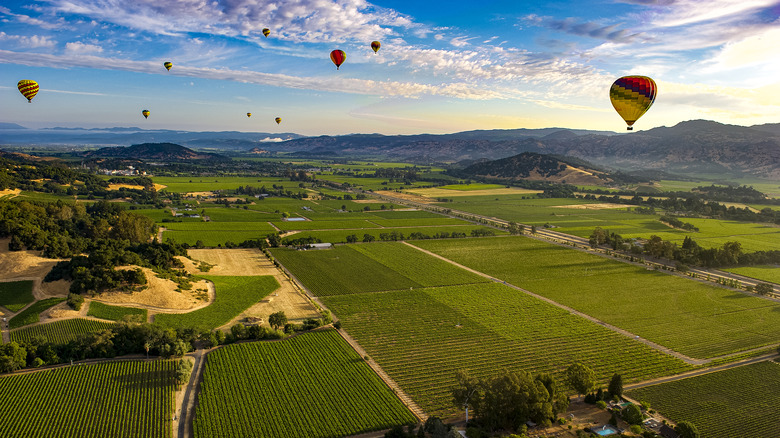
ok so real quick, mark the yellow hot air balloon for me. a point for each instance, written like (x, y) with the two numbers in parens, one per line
(632, 96)
(168, 65)
(266, 32)
(376, 45)
(145, 113)
(249, 114)
(28, 88)
(278, 120)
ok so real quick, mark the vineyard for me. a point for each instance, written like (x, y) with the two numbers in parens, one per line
(233, 296)
(311, 386)
(738, 402)
(693, 318)
(114, 399)
(59, 332)
(422, 337)
(14, 295)
(31, 314)
(116, 313)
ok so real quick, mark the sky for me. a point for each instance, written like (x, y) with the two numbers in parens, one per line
(442, 67)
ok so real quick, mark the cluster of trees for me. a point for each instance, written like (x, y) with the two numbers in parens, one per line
(677, 223)
(433, 428)
(275, 190)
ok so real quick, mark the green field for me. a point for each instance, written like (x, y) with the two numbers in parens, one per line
(311, 386)
(14, 295)
(739, 402)
(116, 313)
(115, 399)
(359, 268)
(422, 337)
(234, 295)
(31, 314)
(183, 184)
(767, 273)
(59, 332)
(693, 318)
(340, 236)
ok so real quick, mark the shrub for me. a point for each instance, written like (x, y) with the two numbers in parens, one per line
(75, 301)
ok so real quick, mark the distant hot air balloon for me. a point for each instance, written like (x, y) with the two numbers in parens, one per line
(168, 65)
(632, 96)
(376, 45)
(28, 88)
(278, 120)
(338, 57)
(266, 32)
(145, 113)
(249, 114)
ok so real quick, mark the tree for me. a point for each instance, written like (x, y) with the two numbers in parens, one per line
(183, 371)
(12, 357)
(278, 319)
(615, 387)
(352, 238)
(368, 238)
(687, 430)
(764, 288)
(632, 414)
(580, 378)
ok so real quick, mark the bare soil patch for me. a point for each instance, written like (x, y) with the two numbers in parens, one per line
(367, 201)
(449, 193)
(161, 293)
(10, 193)
(407, 196)
(236, 261)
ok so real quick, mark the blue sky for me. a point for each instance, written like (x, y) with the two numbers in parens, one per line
(443, 66)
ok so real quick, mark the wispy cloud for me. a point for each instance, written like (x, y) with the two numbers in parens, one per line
(608, 32)
(31, 41)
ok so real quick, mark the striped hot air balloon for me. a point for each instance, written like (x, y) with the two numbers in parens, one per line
(632, 96)
(376, 45)
(266, 32)
(249, 114)
(338, 57)
(167, 65)
(278, 120)
(28, 88)
(145, 113)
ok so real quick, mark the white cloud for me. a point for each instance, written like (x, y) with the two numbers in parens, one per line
(686, 12)
(32, 41)
(79, 47)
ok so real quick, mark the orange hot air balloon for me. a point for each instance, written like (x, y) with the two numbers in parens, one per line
(278, 120)
(249, 114)
(266, 32)
(28, 88)
(145, 113)
(338, 57)
(168, 65)
(632, 96)
(376, 45)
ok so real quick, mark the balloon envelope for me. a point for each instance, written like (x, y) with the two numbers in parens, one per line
(28, 88)
(168, 65)
(249, 114)
(376, 45)
(338, 57)
(266, 32)
(145, 113)
(278, 120)
(632, 96)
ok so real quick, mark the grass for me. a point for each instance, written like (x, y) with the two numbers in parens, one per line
(422, 337)
(31, 314)
(693, 318)
(738, 402)
(14, 295)
(116, 313)
(60, 332)
(766, 273)
(340, 236)
(273, 389)
(234, 295)
(116, 399)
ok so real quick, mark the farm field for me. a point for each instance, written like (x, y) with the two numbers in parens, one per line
(275, 389)
(116, 313)
(14, 295)
(422, 337)
(340, 236)
(234, 295)
(185, 184)
(31, 314)
(696, 319)
(767, 273)
(60, 332)
(116, 399)
(392, 265)
(737, 402)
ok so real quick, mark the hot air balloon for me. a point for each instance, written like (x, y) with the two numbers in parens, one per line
(145, 113)
(266, 32)
(632, 96)
(249, 114)
(168, 65)
(376, 45)
(278, 120)
(28, 88)
(338, 57)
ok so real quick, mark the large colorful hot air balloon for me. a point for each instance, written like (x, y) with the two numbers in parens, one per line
(376, 45)
(28, 88)
(338, 57)
(266, 32)
(168, 65)
(278, 120)
(249, 114)
(145, 113)
(632, 96)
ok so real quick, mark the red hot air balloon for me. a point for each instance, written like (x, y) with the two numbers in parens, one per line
(632, 96)
(338, 57)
